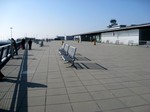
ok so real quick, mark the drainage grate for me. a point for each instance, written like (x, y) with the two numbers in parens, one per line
(78, 66)
(93, 66)
(82, 59)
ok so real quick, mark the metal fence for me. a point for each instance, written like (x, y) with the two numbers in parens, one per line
(5, 53)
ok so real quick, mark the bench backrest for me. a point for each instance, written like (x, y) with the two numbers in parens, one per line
(66, 48)
(148, 43)
(72, 51)
(117, 42)
(130, 42)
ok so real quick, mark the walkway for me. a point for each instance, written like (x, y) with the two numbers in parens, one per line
(118, 80)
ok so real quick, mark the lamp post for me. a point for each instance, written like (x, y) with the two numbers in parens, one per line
(11, 31)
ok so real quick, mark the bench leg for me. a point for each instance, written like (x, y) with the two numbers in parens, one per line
(1, 75)
(72, 63)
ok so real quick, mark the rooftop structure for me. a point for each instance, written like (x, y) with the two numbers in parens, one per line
(136, 33)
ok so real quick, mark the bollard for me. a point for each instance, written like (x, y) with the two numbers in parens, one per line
(1, 75)
(94, 42)
(78, 41)
(62, 42)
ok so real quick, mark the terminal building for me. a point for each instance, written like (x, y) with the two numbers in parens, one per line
(134, 34)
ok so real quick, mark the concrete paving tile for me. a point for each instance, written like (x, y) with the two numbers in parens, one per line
(85, 107)
(108, 80)
(33, 101)
(53, 76)
(95, 87)
(120, 110)
(57, 91)
(103, 76)
(79, 89)
(90, 82)
(145, 108)
(73, 84)
(70, 79)
(110, 104)
(39, 77)
(146, 97)
(135, 77)
(80, 97)
(33, 93)
(68, 73)
(84, 78)
(12, 94)
(55, 85)
(131, 101)
(122, 92)
(32, 109)
(59, 108)
(59, 99)
(6, 104)
(99, 95)
(38, 81)
(140, 90)
(114, 86)
(144, 82)
(59, 80)
(131, 84)
(123, 79)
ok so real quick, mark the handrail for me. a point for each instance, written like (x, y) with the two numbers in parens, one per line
(5, 53)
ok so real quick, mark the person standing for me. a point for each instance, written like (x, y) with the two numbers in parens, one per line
(30, 44)
(13, 47)
(23, 43)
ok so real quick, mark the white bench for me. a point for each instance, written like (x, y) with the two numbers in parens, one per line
(130, 43)
(70, 57)
(64, 49)
(117, 42)
(148, 43)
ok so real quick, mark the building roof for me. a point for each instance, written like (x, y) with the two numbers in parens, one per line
(117, 29)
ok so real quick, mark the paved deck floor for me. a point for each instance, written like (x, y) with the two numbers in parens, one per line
(38, 80)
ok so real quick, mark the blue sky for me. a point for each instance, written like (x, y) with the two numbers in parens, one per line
(49, 18)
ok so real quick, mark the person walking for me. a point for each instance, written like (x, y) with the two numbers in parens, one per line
(30, 44)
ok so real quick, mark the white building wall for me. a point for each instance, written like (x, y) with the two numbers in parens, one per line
(123, 37)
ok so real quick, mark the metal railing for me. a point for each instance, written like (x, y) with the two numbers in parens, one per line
(5, 53)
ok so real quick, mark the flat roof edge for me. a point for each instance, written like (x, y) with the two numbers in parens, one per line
(115, 29)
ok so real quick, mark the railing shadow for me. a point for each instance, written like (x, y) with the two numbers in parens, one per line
(20, 94)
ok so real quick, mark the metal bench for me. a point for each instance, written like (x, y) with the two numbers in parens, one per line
(64, 51)
(70, 57)
(62, 48)
(148, 43)
(130, 43)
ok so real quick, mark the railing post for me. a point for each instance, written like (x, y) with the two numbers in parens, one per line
(1, 54)
(7, 50)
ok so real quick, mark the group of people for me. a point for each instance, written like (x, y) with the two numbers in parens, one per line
(14, 49)
(29, 43)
